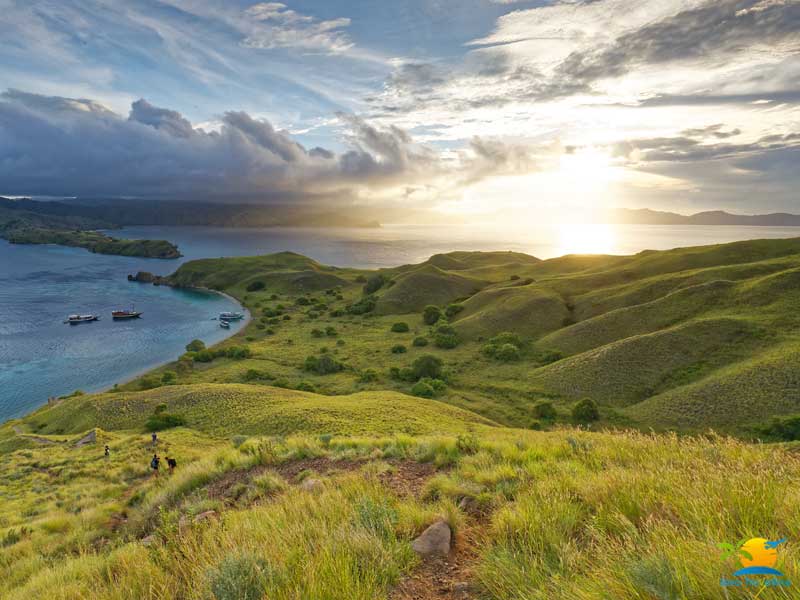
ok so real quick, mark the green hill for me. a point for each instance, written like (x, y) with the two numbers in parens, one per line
(317, 444)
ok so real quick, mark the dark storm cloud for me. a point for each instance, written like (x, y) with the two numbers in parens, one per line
(61, 146)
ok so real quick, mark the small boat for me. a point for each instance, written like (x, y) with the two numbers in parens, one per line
(231, 316)
(75, 319)
(225, 324)
(125, 314)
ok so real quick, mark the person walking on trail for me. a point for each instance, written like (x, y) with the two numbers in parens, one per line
(107, 451)
(154, 437)
(154, 464)
(171, 463)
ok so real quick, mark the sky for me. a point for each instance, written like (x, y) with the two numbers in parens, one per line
(470, 108)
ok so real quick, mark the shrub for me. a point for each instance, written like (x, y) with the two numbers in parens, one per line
(238, 440)
(256, 286)
(340, 342)
(305, 386)
(169, 377)
(420, 341)
(431, 314)
(239, 577)
(427, 365)
(373, 284)
(238, 352)
(514, 277)
(312, 314)
(331, 331)
(467, 443)
(361, 279)
(423, 390)
(507, 353)
(400, 327)
(255, 375)
(302, 301)
(446, 341)
(195, 346)
(148, 383)
(452, 310)
(428, 387)
(336, 313)
(363, 306)
(585, 411)
(785, 429)
(317, 333)
(159, 421)
(399, 349)
(322, 365)
(544, 410)
(368, 376)
(204, 356)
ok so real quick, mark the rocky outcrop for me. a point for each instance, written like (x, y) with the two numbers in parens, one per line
(434, 541)
(147, 277)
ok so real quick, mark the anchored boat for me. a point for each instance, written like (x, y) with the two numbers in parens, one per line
(75, 319)
(119, 315)
(231, 316)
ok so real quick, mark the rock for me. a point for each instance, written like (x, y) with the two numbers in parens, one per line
(311, 485)
(434, 541)
(461, 590)
(148, 541)
(204, 516)
(468, 504)
(89, 438)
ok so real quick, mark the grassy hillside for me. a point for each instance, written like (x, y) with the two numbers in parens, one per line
(358, 408)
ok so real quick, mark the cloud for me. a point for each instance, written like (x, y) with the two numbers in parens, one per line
(61, 146)
(277, 26)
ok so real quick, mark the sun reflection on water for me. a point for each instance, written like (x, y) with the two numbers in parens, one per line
(583, 238)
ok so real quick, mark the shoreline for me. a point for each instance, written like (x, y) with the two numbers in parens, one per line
(248, 317)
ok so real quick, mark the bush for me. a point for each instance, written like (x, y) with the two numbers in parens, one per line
(322, 365)
(204, 356)
(302, 301)
(427, 366)
(159, 421)
(431, 314)
(305, 386)
(363, 306)
(423, 390)
(428, 387)
(361, 279)
(420, 341)
(368, 376)
(336, 313)
(468, 443)
(373, 284)
(331, 331)
(400, 327)
(256, 286)
(399, 349)
(514, 277)
(239, 577)
(446, 341)
(784, 429)
(317, 333)
(544, 410)
(169, 377)
(585, 411)
(452, 310)
(238, 352)
(195, 346)
(149, 382)
(507, 353)
(255, 375)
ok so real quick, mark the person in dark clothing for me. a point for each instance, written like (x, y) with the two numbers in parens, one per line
(154, 463)
(107, 451)
(154, 437)
(171, 463)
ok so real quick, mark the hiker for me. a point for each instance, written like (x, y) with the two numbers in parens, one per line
(154, 463)
(171, 462)
(154, 438)
(107, 451)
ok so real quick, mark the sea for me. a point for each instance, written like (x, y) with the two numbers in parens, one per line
(42, 357)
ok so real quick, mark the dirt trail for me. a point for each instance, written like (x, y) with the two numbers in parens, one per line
(34, 438)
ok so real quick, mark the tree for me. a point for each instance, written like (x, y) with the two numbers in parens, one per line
(373, 284)
(256, 286)
(544, 410)
(431, 314)
(427, 365)
(323, 365)
(585, 411)
(195, 346)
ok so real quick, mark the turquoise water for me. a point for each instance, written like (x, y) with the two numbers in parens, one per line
(41, 285)
(40, 356)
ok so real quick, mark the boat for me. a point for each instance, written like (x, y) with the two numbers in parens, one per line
(231, 316)
(125, 314)
(75, 319)
(225, 324)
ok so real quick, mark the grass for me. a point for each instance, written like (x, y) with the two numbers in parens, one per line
(689, 339)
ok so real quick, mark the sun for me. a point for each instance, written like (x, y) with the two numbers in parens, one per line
(762, 556)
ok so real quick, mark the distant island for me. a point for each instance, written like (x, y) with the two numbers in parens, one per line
(20, 226)
(646, 216)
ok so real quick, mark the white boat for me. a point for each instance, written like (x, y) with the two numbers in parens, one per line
(231, 316)
(75, 319)
(225, 324)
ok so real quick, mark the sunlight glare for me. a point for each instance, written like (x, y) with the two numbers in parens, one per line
(586, 238)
